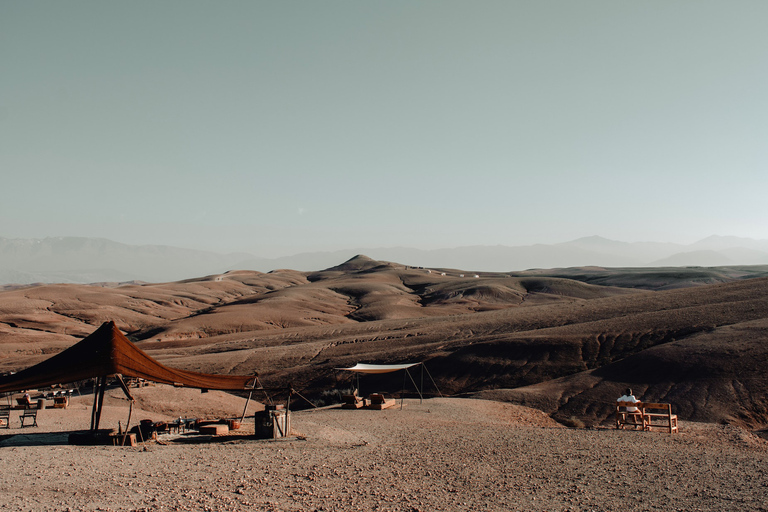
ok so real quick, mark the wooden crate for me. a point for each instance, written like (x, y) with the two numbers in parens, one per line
(214, 430)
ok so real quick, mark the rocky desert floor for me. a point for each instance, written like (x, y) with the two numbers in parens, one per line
(447, 454)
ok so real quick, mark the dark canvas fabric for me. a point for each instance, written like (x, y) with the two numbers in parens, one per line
(107, 352)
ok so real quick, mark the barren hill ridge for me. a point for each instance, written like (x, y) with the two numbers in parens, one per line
(537, 338)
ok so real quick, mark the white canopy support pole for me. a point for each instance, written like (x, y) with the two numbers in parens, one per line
(433, 380)
(422, 376)
(421, 398)
(402, 392)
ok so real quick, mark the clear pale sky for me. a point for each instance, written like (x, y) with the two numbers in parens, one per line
(282, 127)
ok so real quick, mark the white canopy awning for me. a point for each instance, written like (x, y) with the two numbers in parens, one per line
(378, 368)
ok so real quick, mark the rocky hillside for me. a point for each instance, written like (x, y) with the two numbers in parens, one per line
(563, 345)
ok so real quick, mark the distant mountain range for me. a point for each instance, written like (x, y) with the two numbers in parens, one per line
(92, 260)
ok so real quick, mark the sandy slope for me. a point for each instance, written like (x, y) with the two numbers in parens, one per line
(444, 454)
(701, 349)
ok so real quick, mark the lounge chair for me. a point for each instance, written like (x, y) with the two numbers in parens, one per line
(29, 414)
(60, 402)
(352, 401)
(378, 402)
(24, 402)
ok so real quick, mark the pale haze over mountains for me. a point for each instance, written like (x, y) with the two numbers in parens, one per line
(92, 260)
(284, 128)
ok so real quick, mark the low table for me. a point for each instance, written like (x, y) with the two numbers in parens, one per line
(181, 425)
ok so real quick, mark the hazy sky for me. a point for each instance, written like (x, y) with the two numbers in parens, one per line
(281, 127)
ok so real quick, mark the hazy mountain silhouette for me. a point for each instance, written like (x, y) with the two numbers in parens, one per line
(86, 260)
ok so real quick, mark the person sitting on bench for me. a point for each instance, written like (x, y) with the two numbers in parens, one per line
(628, 397)
(632, 415)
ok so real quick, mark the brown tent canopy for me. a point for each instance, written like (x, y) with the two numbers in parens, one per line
(108, 352)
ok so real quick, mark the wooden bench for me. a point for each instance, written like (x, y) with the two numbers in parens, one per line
(5, 418)
(626, 418)
(659, 416)
(29, 414)
(649, 416)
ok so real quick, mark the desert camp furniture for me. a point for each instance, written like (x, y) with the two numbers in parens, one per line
(25, 402)
(181, 425)
(389, 368)
(626, 417)
(648, 416)
(659, 416)
(107, 353)
(352, 401)
(378, 402)
(5, 418)
(214, 429)
(273, 422)
(31, 415)
(60, 402)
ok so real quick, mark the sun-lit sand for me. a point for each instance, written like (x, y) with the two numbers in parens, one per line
(442, 454)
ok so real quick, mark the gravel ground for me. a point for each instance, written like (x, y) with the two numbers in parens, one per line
(443, 454)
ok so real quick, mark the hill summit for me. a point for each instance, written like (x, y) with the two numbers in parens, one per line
(356, 264)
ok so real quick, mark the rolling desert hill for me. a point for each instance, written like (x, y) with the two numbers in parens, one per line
(656, 278)
(565, 345)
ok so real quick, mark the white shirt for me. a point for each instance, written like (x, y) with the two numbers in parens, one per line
(629, 398)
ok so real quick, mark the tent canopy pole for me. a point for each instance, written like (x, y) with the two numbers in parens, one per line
(102, 390)
(421, 374)
(96, 382)
(124, 387)
(98, 403)
(402, 393)
(430, 378)
(421, 398)
(256, 382)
